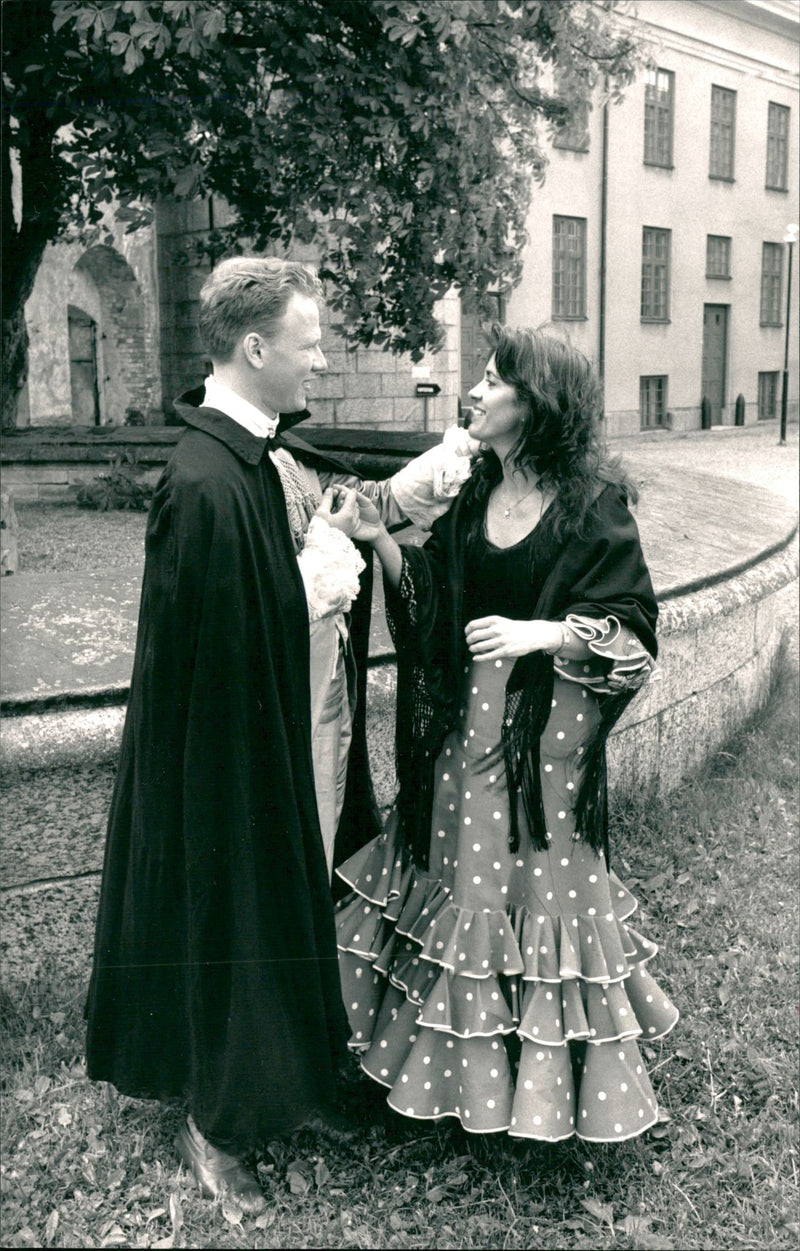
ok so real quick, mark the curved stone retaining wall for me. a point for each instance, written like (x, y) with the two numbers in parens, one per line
(718, 646)
(717, 650)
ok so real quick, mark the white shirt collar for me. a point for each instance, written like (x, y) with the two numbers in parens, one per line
(227, 401)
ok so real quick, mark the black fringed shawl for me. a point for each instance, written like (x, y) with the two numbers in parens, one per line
(600, 573)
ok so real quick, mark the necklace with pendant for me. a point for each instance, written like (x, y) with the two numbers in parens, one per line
(508, 511)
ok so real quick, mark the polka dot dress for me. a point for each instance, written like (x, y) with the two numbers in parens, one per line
(504, 989)
(468, 986)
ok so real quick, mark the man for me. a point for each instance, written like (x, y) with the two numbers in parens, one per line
(215, 971)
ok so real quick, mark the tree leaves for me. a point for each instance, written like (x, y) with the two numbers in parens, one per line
(187, 182)
(297, 1178)
(398, 137)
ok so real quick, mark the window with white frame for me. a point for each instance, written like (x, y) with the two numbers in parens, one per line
(718, 256)
(767, 395)
(652, 400)
(655, 274)
(771, 283)
(658, 114)
(574, 134)
(777, 147)
(723, 126)
(569, 268)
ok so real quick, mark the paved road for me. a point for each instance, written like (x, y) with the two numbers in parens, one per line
(750, 455)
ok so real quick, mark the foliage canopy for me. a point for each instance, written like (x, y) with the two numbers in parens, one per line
(399, 135)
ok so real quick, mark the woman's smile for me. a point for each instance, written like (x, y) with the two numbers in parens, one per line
(496, 411)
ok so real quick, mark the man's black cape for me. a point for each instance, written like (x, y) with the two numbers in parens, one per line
(215, 974)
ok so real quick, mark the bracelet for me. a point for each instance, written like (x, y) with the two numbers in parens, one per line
(565, 640)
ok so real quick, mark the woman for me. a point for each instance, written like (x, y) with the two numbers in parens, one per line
(487, 968)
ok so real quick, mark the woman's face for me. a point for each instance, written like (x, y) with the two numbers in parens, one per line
(496, 415)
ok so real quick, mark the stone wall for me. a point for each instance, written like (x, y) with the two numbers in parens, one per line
(115, 286)
(364, 387)
(718, 647)
(48, 465)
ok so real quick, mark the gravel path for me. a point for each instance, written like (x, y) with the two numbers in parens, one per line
(62, 538)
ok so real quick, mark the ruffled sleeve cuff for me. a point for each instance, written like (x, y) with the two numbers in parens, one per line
(425, 488)
(329, 566)
(618, 661)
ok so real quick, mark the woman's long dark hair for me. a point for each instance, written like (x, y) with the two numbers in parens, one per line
(560, 398)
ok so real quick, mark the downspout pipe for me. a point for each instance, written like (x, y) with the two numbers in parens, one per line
(601, 344)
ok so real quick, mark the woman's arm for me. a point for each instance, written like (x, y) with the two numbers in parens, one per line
(422, 490)
(389, 554)
(367, 527)
(618, 660)
(493, 638)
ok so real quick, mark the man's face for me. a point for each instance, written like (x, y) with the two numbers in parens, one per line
(292, 357)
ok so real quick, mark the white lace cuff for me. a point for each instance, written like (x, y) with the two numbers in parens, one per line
(329, 565)
(425, 487)
(628, 665)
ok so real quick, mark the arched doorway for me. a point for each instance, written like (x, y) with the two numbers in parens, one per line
(124, 357)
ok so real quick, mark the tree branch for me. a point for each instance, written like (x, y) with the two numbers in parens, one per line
(536, 99)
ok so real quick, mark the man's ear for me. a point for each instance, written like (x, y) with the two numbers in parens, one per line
(253, 349)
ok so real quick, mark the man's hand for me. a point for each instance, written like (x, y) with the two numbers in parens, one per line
(340, 509)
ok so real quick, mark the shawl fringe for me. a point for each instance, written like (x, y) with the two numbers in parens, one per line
(604, 573)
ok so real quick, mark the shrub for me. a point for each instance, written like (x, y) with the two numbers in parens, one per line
(122, 488)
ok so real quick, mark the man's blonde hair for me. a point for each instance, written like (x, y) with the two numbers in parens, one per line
(250, 293)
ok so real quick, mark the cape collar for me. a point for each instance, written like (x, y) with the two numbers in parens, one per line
(258, 421)
(248, 447)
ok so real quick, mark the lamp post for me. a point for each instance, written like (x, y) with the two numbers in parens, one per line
(789, 237)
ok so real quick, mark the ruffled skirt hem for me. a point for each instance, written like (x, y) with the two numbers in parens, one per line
(483, 1016)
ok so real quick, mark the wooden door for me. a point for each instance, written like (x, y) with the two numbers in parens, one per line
(715, 358)
(84, 390)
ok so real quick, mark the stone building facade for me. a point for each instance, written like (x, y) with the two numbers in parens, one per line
(655, 246)
(113, 332)
(363, 386)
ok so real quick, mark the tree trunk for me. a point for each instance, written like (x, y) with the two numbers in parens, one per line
(23, 249)
(15, 365)
(27, 150)
(22, 254)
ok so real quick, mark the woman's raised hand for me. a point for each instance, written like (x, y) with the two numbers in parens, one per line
(368, 520)
(496, 638)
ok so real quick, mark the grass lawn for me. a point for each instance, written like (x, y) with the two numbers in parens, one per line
(715, 868)
(66, 539)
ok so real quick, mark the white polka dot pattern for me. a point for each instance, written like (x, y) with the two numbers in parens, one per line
(438, 966)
